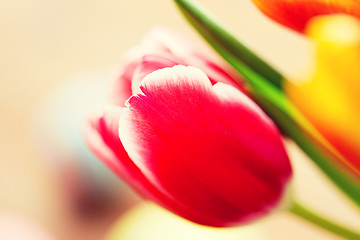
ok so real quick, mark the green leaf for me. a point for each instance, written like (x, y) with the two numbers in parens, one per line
(211, 30)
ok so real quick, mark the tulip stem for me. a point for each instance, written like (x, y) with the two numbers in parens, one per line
(211, 29)
(303, 212)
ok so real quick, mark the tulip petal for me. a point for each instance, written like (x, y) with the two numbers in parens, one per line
(296, 13)
(121, 82)
(149, 64)
(161, 48)
(101, 135)
(210, 148)
(189, 54)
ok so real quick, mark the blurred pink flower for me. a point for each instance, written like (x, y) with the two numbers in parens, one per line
(16, 227)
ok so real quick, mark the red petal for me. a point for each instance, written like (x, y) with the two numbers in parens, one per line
(101, 134)
(186, 53)
(121, 86)
(296, 13)
(149, 64)
(164, 48)
(210, 148)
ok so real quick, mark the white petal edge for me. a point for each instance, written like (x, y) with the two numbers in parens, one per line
(158, 78)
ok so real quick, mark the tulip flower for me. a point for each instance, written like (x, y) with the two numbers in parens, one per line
(296, 13)
(205, 152)
(330, 98)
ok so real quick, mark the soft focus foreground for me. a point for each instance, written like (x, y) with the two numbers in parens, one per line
(157, 223)
(45, 42)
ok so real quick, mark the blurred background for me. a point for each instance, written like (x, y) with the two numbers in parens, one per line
(56, 56)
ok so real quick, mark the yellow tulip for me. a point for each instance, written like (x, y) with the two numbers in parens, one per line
(330, 98)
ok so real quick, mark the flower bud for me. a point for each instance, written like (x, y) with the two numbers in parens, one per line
(205, 152)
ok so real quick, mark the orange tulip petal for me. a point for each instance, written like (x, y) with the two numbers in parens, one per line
(295, 14)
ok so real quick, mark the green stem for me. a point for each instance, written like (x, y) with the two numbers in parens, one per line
(214, 31)
(335, 228)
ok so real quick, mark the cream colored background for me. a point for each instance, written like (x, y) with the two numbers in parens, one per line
(43, 42)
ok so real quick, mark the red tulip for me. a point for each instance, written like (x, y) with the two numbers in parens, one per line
(296, 13)
(206, 153)
(188, 141)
